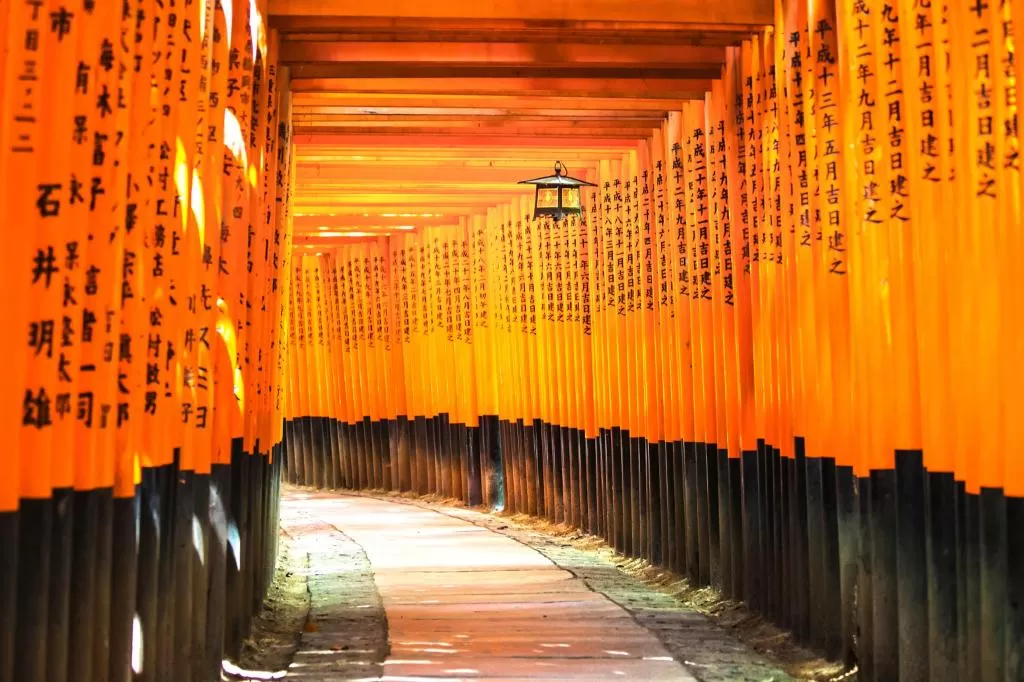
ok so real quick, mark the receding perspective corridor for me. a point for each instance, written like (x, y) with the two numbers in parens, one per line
(511, 340)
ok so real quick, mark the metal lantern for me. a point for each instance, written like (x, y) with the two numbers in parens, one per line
(558, 195)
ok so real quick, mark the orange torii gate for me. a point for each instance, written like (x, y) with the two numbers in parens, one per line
(777, 352)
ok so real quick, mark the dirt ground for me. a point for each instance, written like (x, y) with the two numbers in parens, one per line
(277, 629)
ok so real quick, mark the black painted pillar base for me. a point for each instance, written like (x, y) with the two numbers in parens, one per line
(912, 577)
(8, 592)
(941, 558)
(102, 587)
(200, 574)
(885, 585)
(33, 589)
(658, 478)
(751, 512)
(591, 507)
(61, 554)
(1015, 588)
(83, 615)
(126, 518)
(219, 512)
(970, 588)
(799, 542)
(181, 598)
(865, 573)
(234, 627)
(491, 466)
(694, 556)
(678, 500)
(735, 505)
(992, 581)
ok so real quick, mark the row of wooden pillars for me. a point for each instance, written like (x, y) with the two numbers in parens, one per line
(858, 568)
(158, 587)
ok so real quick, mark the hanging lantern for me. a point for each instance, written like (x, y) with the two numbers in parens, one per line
(558, 195)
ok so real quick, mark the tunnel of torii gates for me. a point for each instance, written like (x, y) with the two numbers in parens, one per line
(779, 351)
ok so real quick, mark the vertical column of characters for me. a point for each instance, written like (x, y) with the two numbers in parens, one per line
(771, 186)
(158, 349)
(27, 406)
(799, 232)
(232, 230)
(416, 322)
(482, 332)
(343, 397)
(895, 48)
(718, 238)
(546, 358)
(531, 247)
(603, 292)
(375, 329)
(349, 370)
(699, 300)
(587, 257)
(283, 237)
(279, 171)
(682, 269)
(385, 304)
(517, 298)
(635, 297)
(652, 403)
(255, 106)
(191, 91)
(95, 161)
(447, 320)
(627, 264)
(271, 236)
(397, 279)
(833, 323)
(402, 274)
(204, 207)
(754, 100)
(464, 323)
(568, 376)
(572, 369)
(741, 211)
(731, 169)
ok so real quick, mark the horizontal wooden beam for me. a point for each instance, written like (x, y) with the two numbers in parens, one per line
(453, 210)
(332, 234)
(442, 70)
(437, 173)
(374, 101)
(382, 197)
(468, 157)
(316, 223)
(524, 122)
(521, 54)
(495, 143)
(578, 31)
(481, 129)
(660, 88)
(680, 12)
(418, 114)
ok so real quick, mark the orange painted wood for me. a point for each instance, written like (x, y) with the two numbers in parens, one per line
(669, 11)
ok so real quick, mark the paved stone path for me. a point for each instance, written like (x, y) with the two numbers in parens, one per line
(465, 602)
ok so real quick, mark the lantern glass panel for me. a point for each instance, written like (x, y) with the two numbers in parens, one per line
(571, 197)
(547, 198)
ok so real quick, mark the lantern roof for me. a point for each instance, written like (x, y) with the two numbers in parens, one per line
(559, 179)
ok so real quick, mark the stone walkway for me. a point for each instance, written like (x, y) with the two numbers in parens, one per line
(462, 601)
